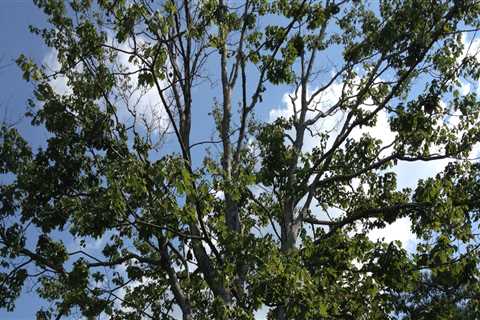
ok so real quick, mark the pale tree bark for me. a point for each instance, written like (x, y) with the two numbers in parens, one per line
(186, 61)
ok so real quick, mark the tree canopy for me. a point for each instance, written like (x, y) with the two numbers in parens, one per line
(271, 215)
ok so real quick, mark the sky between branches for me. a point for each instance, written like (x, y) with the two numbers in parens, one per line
(16, 15)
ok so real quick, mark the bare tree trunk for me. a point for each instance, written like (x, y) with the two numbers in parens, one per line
(184, 61)
(290, 225)
(231, 207)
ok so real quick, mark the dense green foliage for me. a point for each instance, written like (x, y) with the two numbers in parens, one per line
(201, 232)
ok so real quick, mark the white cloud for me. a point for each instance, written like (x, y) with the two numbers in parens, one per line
(58, 83)
(408, 173)
(465, 88)
(321, 102)
(399, 230)
(471, 48)
(144, 102)
(218, 194)
(262, 313)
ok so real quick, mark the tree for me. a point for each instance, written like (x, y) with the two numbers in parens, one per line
(252, 218)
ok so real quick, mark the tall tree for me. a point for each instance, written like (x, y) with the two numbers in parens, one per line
(256, 217)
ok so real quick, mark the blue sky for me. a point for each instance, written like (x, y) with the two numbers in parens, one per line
(16, 15)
